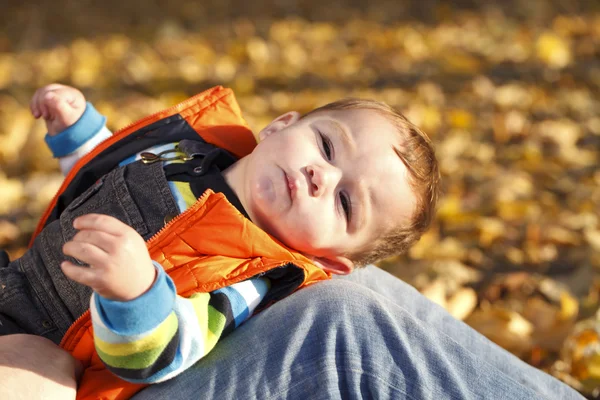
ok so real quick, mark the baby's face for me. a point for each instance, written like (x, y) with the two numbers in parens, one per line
(328, 184)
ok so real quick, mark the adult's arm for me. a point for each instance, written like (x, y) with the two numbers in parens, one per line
(366, 336)
(32, 367)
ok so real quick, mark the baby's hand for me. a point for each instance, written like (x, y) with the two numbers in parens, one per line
(120, 267)
(60, 105)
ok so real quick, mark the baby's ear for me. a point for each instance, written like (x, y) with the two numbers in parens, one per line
(336, 265)
(279, 123)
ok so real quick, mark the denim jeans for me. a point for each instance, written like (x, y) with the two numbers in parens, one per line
(365, 336)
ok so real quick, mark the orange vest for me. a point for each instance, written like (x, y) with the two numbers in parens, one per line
(234, 250)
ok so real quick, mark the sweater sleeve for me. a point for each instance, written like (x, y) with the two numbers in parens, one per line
(78, 139)
(160, 334)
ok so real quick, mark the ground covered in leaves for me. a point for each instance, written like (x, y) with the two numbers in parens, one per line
(509, 93)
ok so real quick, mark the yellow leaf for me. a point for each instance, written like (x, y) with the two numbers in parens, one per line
(490, 229)
(86, 67)
(504, 327)
(6, 69)
(11, 193)
(569, 306)
(462, 303)
(258, 50)
(460, 62)
(8, 232)
(553, 50)
(461, 119)
(592, 236)
(225, 69)
(436, 292)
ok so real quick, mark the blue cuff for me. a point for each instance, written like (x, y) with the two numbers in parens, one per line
(142, 313)
(72, 138)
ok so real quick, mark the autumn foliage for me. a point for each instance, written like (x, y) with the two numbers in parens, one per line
(508, 93)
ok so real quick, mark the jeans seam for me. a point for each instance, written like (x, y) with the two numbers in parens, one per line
(65, 320)
(123, 195)
(39, 301)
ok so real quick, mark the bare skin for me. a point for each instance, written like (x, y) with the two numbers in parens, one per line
(32, 367)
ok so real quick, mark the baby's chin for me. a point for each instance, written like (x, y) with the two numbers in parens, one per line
(281, 232)
(271, 218)
(295, 240)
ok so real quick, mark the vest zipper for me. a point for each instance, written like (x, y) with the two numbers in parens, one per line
(76, 326)
(199, 202)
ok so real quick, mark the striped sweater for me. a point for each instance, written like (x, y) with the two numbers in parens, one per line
(133, 338)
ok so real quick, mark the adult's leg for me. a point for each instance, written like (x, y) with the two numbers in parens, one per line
(338, 339)
(32, 367)
(436, 317)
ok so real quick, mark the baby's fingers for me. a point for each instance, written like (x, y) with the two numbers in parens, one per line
(40, 100)
(86, 252)
(104, 241)
(55, 104)
(103, 223)
(83, 275)
(34, 105)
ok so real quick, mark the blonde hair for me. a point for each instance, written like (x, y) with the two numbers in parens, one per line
(416, 151)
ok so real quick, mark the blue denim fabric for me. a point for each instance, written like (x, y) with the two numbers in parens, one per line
(343, 340)
(35, 296)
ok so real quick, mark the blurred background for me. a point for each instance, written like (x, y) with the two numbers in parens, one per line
(509, 93)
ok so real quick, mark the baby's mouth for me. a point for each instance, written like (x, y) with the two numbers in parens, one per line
(292, 186)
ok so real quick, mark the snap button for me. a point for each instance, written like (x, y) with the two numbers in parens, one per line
(47, 324)
(169, 218)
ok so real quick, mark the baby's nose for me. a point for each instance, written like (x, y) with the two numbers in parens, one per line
(318, 180)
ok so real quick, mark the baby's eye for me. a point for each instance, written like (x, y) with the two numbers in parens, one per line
(326, 146)
(346, 205)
